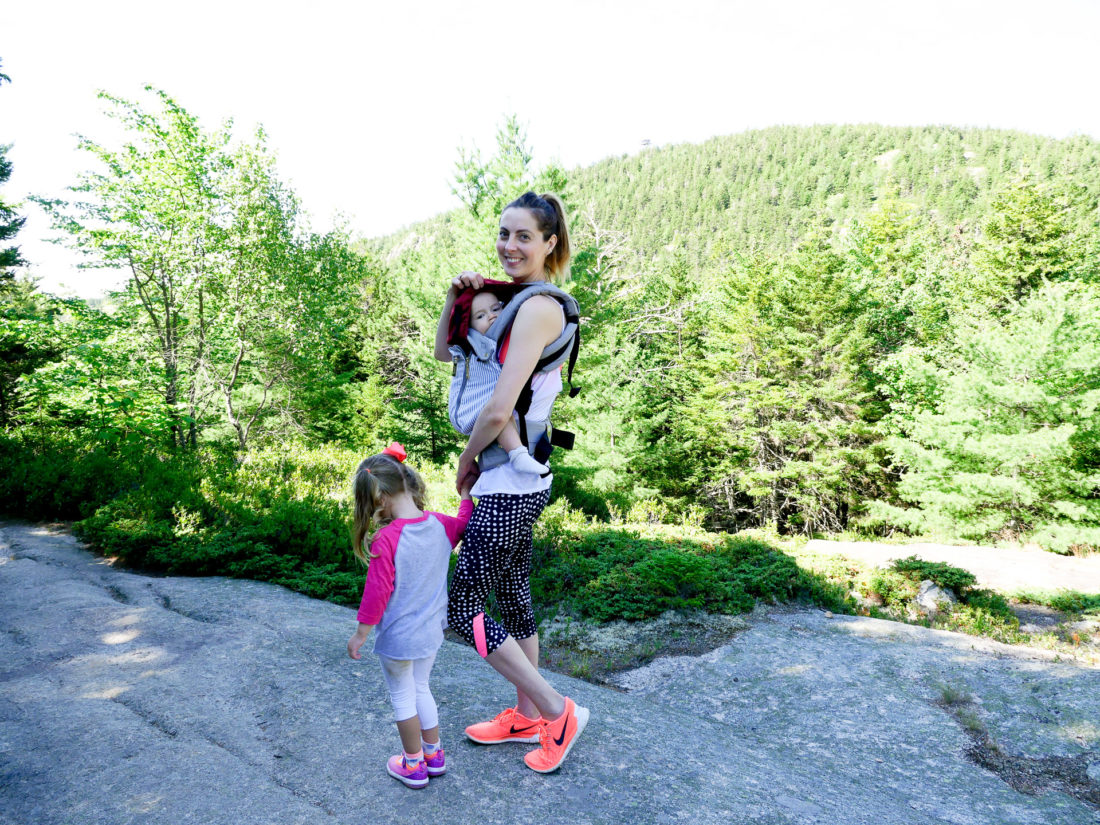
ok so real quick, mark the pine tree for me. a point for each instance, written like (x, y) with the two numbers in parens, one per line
(1011, 449)
(1027, 241)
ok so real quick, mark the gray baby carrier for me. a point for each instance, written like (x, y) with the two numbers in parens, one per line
(476, 368)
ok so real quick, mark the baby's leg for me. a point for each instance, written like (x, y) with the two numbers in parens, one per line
(517, 453)
(509, 436)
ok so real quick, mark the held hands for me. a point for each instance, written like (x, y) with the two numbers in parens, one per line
(467, 474)
(357, 641)
(465, 485)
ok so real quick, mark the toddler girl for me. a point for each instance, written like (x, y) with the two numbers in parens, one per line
(405, 597)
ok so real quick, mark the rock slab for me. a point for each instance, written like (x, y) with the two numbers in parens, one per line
(131, 699)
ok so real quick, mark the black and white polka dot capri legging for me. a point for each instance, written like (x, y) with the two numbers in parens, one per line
(496, 557)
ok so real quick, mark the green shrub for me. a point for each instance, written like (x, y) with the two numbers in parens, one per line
(984, 613)
(62, 480)
(605, 574)
(939, 573)
(994, 604)
(1070, 601)
(892, 587)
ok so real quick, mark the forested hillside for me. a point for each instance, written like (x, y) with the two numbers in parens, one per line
(806, 330)
(772, 314)
(762, 189)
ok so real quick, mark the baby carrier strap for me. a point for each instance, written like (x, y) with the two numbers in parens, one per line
(557, 351)
(565, 348)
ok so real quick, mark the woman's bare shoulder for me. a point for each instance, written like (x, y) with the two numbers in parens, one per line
(538, 307)
(540, 318)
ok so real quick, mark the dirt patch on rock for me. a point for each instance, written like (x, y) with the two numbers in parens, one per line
(1007, 570)
(597, 652)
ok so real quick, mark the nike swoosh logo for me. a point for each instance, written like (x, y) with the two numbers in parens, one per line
(559, 739)
(524, 728)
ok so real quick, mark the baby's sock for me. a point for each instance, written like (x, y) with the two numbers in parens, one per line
(525, 463)
(413, 759)
(429, 748)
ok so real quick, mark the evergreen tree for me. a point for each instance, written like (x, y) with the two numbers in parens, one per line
(794, 450)
(1011, 448)
(1027, 241)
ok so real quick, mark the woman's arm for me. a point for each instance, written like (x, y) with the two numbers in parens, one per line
(460, 282)
(537, 324)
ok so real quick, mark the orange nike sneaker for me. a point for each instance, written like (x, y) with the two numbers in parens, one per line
(557, 738)
(508, 726)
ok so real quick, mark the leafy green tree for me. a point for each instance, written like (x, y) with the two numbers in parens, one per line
(278, 304)
(154, 211)
(99, 387)
(242, 307)
(403, 375)
(28, 339)
(1011, 450)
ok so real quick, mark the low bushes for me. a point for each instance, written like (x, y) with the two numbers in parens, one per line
(603, 573)
(281, 515)
(277, 515)
(63, 480)
(978, 612)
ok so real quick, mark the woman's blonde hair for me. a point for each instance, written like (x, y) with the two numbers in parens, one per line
(549, 214)
(376, 479)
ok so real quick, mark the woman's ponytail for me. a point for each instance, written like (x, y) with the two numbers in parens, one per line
(557, 262)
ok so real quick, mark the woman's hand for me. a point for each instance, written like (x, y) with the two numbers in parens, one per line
(467, 474)
(466, 279)
(465, 485)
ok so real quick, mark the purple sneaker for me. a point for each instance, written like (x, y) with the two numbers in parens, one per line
(412, 777)
(437, 763)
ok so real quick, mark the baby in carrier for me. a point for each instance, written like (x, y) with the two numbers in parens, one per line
(475, 378)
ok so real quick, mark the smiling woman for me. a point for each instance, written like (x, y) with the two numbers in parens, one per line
(533, 247)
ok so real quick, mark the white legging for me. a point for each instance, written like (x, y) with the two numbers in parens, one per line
(407, 680)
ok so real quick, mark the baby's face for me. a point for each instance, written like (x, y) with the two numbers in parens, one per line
(483, 311)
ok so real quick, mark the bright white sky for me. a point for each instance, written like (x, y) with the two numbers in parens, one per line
(366, 103)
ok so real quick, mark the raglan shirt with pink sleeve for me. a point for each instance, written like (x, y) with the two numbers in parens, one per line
(406, 589)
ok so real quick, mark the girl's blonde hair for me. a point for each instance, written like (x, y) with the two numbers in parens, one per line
(549, 214)
(377, 479)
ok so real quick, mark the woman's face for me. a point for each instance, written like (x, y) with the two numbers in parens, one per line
(520, 246)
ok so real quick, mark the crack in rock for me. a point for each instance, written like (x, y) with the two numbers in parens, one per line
(1025, 774)
(166, 602)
